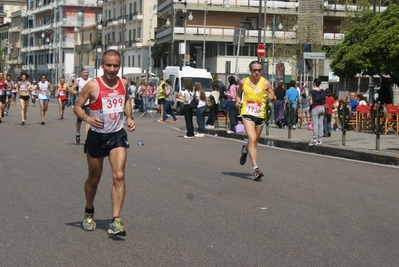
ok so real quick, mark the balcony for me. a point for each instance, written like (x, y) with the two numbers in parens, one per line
(227, 34)
(137, 16)
(14, 29)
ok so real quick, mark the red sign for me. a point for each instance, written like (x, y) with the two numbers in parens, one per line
(261, 50)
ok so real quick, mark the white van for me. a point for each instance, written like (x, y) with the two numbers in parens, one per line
(179, 74)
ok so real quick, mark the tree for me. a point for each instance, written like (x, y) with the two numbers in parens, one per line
(371, 46)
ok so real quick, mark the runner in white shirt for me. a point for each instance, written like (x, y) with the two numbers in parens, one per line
(75, 89)
(33, 92)
(45, 88)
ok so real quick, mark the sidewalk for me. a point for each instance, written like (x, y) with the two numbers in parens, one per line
(359, 146)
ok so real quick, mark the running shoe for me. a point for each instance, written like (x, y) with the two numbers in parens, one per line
(230, 132)
(77, 139)
(174, 121)
(88, 223)
(23, 123)
(200, 135)
(188, 137)
(43, 123)
(257, 174)
(116, 228)
(161, 121)
(243, 157)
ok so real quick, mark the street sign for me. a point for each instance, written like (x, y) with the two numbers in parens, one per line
(332, 78)
(314, 55)
(261, 50)
(239, 36)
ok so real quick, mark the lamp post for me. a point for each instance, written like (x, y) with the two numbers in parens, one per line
(81, 16)
(99, 27)
(190, 17)
(203, 45)
(280, 27)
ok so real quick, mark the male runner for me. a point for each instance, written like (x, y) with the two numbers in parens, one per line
(109, 101)
(79, 84)
(45, 88)
(256, 91)
(62, 96)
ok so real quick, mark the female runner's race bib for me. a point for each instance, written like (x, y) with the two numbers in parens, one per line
(254, 109)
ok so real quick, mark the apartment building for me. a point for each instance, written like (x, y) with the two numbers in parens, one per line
(129, 28)
(210, 29)
(8, 10)
(48, 36)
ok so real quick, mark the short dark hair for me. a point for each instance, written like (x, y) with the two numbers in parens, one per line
(292, 83)
(24, 73)
(111, 52)
(317, 82)
(254, 62)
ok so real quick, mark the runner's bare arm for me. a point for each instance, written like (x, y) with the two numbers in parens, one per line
(239, 94)
(72, 89)
(88, 92)
(270, 93)
(131, 125)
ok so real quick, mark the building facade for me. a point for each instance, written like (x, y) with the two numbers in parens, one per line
(129, 28)
(211, 29)
(48, 36)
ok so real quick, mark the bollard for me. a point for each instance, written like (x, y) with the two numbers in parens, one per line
(343, 116)
(290, 113)
(268, 115)
(378, 115)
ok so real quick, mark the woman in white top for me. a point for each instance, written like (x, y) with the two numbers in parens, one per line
(187, 96)
(201, 108)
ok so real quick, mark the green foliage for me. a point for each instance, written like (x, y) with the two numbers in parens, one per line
(370, 47)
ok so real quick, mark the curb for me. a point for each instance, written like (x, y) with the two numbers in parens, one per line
(327, 150)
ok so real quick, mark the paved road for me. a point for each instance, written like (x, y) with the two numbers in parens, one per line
(189, 203)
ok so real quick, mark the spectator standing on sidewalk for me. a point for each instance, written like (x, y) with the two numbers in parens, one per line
(279, 106)
(327, 117)
(231, 103)
(200, 110)
(291, 96)
(213, 110)
(187, 95)
(317, 100)
(169, 101)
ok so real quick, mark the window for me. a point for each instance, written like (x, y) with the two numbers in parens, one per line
(249, 23)
(1, 8)
(230, 51)
(139, 33)
(135, 7)
(139, 61)
(133, 61)
(134, 34)
(141, 6)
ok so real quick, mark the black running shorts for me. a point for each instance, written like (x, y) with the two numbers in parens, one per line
(256, 120)
(98, 145)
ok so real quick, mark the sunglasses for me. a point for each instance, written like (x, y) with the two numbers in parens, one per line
(256, 70)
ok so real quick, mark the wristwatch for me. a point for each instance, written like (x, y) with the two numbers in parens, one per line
(127, 117)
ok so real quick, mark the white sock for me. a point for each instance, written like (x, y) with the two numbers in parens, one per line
(255, 167)
(245, 149)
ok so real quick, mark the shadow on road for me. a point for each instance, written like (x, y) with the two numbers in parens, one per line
(239, 175)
